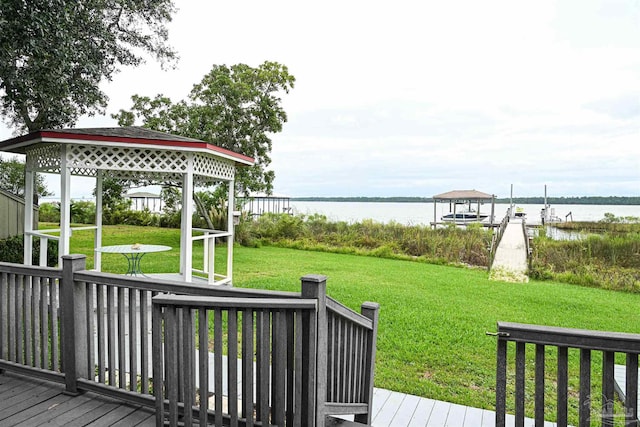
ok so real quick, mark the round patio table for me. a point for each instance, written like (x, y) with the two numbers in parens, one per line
(133, 254)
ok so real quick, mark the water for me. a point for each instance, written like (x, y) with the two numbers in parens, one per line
(423, 213)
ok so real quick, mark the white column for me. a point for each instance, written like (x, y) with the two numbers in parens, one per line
(230, 228)
(186, 224)
(97, 256)
(28, 215)
(65, 205)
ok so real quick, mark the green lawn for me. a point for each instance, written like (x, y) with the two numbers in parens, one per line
(433, 319)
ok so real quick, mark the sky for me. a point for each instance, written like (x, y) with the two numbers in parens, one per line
(416, 98)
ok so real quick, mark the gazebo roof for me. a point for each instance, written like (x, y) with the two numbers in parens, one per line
(128, 135)
(127, 153)
(463, 195)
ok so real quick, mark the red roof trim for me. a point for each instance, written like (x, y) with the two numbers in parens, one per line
(177, 144)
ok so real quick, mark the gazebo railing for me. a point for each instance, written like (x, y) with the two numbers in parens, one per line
(209, 249)
(45, 235)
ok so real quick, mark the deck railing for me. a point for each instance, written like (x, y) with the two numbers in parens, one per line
(351, 343)
(92, 331)
(570, 344)
(227, 384)
(30, 320)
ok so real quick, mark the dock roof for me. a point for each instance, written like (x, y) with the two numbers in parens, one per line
(463, 195)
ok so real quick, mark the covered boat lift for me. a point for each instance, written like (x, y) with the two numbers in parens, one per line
(463, 197)
(133, 153)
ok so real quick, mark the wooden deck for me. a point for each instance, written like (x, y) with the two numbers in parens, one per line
(393, 409)
(28, 402)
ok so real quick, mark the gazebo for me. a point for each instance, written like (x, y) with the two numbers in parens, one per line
(128, 153)
(463, 197)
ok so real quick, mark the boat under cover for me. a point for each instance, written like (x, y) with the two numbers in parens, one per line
(464, 216)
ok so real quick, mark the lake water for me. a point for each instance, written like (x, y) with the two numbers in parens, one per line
(422, 213)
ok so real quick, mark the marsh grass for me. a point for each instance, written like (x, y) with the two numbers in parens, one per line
(449, 245)
(608, 261)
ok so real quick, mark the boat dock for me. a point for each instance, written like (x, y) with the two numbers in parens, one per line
(510, 260)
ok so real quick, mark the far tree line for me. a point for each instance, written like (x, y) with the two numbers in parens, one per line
(577, 200)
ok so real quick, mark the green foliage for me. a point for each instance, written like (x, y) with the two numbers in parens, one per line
(55, 53)
(12, 173)
(234, 107)
(171, 198)
(83, 212)
(49, 212)
(444, 245)
(131, 217)
(113, 202)
(609, 261)
(12, 250)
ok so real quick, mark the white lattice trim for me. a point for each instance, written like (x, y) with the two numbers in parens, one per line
(44, 158)
(125, 159)
(212, 167)
(130, 162)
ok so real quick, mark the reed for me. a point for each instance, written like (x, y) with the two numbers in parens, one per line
(609, 261)
(449, 245)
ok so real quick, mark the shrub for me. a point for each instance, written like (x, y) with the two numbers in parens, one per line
(49, 212)
(449, 245)
(608, 261)
(12, 250)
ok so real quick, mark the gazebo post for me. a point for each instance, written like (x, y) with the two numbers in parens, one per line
(186, 226)
(230, 229)
(28, 215)
(97, 255)
(65, 205)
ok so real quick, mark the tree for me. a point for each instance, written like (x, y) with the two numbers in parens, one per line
(234, 107)
(55, 53)
(12, 178)
(113, 200)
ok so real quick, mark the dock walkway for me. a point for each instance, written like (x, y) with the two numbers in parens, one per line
(510, 261)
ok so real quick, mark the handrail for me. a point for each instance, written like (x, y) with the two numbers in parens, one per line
(571, 344)
(174, 286)
(351, 341)
(348, 314)
(497, 237)
(231, 302)
(34, 271)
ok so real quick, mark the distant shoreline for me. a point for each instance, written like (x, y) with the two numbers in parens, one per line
(583, 200)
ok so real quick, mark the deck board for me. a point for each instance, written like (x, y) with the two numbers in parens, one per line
(26, 402)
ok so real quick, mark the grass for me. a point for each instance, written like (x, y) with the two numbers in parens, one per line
(433, 318)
